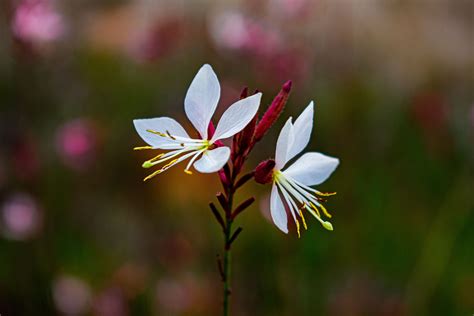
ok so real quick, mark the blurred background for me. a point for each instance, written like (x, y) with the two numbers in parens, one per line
(81, 234)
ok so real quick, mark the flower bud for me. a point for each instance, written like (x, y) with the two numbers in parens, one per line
(264, 171)
(273, 111)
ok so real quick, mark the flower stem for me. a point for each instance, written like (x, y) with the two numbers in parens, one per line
(227, 251)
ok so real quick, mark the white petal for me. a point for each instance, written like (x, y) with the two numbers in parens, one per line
(159, 124)
(212, 160)
(202, 98)
(312, 168)
(237, 116)
(277, 210)
(285, 139)
(302, 129)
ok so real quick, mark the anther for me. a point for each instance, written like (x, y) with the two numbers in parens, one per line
(188, 171)
(152, 175)
(315, 208)
(298, 227)
(302, 218)
(326, 193)
(142, 148)
(325, 211)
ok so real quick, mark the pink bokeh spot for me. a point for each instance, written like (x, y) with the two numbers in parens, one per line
(37, 21)
(77, 143)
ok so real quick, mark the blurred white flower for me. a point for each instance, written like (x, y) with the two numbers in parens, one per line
(200, 104)
(291, 187)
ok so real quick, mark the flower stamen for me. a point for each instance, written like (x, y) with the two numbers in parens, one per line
(142, 147)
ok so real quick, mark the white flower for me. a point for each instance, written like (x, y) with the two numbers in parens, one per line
(291, 187)
(200, 104)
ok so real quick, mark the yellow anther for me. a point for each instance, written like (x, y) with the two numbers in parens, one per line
(142, 148)
(325, 211)
(298, 227)
(169, 164)
(302, 218)
(152, 175)
(157, 133)
(315, 208)
(325, 193)
(188, 171)
(156, 157)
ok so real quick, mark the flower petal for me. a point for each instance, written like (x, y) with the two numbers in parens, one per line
(159, 124)
(312, 168)
(277, 210)
(285, 139)
(202, 98)
(302, 129)
(212, 160)
(237, 116)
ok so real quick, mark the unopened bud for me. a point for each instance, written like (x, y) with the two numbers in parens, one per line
(273, 111)
(264, 171)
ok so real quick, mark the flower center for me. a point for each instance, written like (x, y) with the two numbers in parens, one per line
(181, 148)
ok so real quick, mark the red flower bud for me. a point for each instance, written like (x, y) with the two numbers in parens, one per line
(273, 111)
(264, 171)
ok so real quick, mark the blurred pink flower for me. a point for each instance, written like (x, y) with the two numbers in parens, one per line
(71, 295)
(22, 217)
(77, 142)
(272, 54)
(233, 30)
(37, 21)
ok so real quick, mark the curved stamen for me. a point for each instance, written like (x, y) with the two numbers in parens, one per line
(192, 160)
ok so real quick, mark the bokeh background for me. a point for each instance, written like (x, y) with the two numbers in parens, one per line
(81, 234)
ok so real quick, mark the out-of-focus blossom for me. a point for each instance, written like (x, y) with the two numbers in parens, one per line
(72, 295)
(270, 52)
(76, 143)
(206, 154)
(292, 187)
(21, 217)
(37, 21)
(233, 30)
(111, 302)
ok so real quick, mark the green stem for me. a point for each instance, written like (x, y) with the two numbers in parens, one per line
(227, 249)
